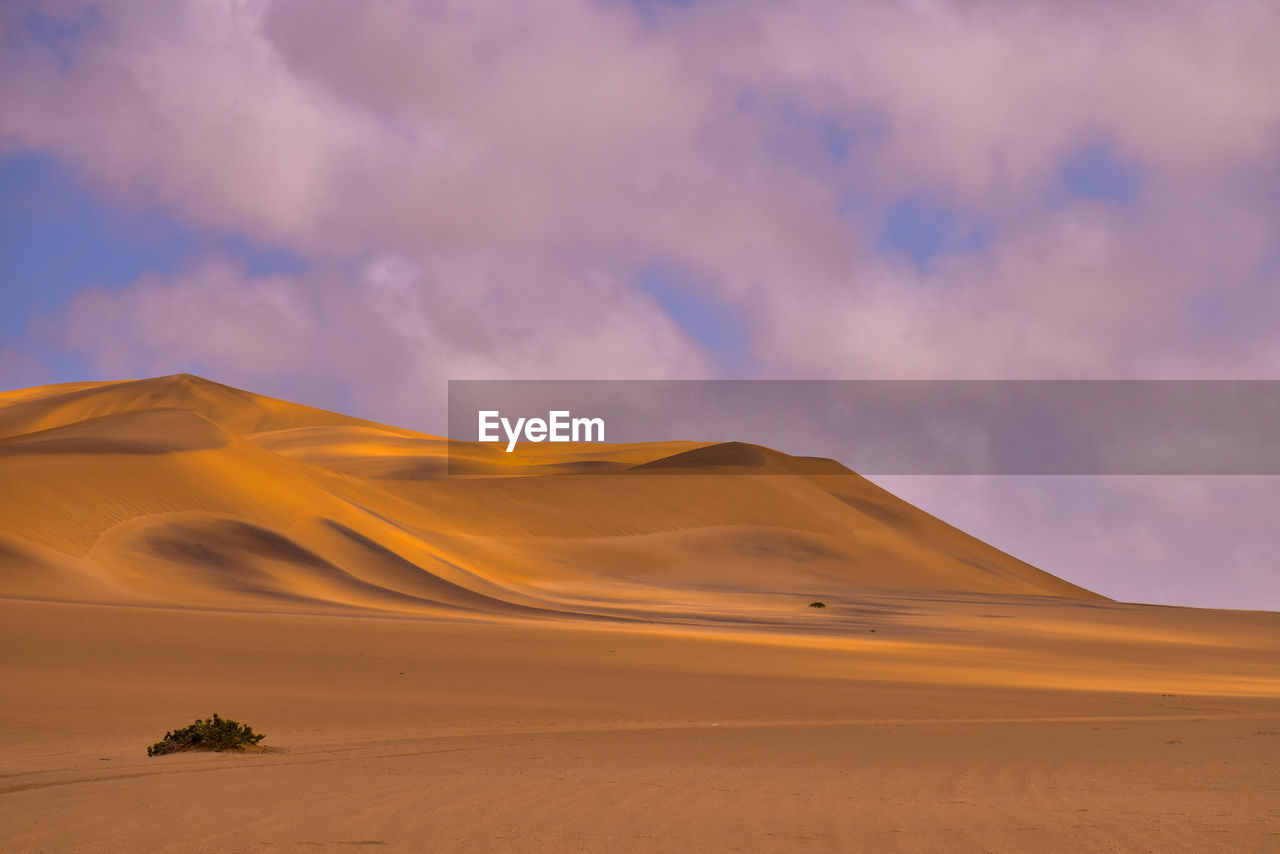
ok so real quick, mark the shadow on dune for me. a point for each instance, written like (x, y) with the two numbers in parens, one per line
(155, 431)
(228, 554)
(726, 457)
(246, 559)
(404, 574)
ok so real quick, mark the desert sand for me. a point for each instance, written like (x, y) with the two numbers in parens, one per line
(572, 648)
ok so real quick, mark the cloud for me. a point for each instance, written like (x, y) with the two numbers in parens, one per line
(701, 138)
(382, 340)
(210, 316)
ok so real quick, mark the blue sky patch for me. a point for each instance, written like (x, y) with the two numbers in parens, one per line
(924, 229)
(58, 238)
(707, 320)
(835, 135)
(60, 35)
(1096, 172)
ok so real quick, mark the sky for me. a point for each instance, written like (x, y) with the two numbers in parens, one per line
(348, 204)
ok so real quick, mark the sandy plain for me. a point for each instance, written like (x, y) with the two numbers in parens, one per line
(621, 660)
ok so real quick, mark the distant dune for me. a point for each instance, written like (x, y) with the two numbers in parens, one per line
(178, 490)
(612, 651)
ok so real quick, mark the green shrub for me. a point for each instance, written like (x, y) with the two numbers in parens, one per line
(213, 733)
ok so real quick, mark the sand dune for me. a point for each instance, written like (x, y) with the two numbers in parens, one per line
(613, 650)
(181, 491)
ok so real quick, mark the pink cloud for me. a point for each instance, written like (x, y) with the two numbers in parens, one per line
(389, 337)
(584, 133)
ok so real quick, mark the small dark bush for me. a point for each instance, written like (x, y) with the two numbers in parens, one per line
(817, 604)
(213, 733)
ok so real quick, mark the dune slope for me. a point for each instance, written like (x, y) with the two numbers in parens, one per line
(178, 490)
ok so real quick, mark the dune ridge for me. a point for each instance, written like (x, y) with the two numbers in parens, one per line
(178, 490)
